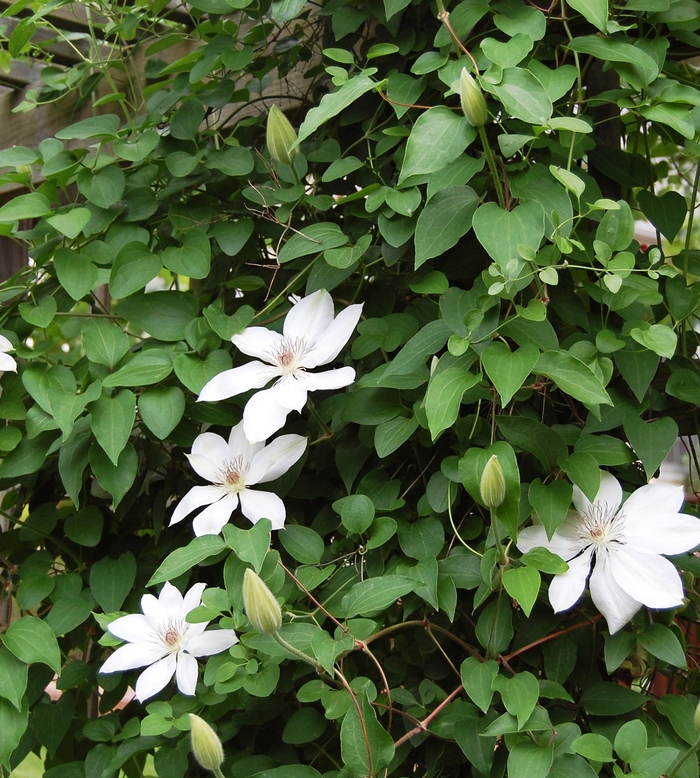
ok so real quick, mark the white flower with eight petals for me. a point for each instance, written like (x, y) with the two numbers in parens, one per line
(162, 639)
(311, 337)
(623, 542)
(232, 468)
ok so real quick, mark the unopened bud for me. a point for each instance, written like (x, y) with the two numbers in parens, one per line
(281, 137)
(472, 99)
(493, 484)
(206, 745)
(696, 719)
(260, 604)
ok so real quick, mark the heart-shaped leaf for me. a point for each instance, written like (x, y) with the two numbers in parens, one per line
(652, 440)
(70, 224)
(161, 409)
(508, 369)
(667, 212)
(40, 315)
(500, 232)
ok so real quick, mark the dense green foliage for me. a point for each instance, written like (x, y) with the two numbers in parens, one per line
(507, 309)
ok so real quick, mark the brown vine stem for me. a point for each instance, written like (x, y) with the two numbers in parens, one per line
(360, 645)
(546, 639)
(423, 724)
(444, 17)
(312, 598)
(426, 625)
(405, 105)
(365, 735)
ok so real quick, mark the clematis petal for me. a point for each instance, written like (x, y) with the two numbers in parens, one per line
(240, 446)
(131, 656)
(310, 317)
(609, 494)
(258, 342)
(561, 543)
(567, 588)
(209, 454)
(274, 460)
(155, 612)
(330, 379)
(192, 600)
(211, 520)
(196, 498)
(611, 600)
(213, 641)
(7, 363)
(662, 533)
(171, 599)
(334, 337)
(256, 505)
(134, 628)
(653, 498)
(186, 673)
(263, 416)
(290, 391)
(5, 344)
(252, 375)
(648, 578)
(155, 677)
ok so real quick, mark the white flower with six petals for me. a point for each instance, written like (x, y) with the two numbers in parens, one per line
(311, 337)
(623, 542)
(162, 639)
(232, 468)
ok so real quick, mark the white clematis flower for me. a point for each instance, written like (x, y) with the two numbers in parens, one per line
(232, 468)
(623, 543)
(162, 639)
(7, 363)
(311, 337)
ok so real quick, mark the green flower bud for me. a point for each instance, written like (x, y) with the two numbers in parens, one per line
(472, 99)
(206, 745)
(696, 718)
(260, 604)
(493, 484)
(281, 137)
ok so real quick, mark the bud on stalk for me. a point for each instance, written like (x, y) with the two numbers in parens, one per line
(281, 137)
(206, 745)
(260, 604)
(493, 485)
(472, 99)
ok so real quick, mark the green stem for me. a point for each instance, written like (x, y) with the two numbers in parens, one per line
(322, 424)
(681, 760)
(492, 166)
(689, 232)
(452, 522)
(218, 773)
(299, 654)
(502, 558)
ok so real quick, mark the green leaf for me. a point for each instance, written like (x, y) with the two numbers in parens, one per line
(112, 421)
(594, 747)
(249, 545)
(13, 678)
(521, 692)
(104, 342)
(105, 125)
(356, 512)
(134, 266)
(573, 376)
(551, 502)
(187, 261)
(357, 736)
(375, 594)
(533, 436)
(195, 373)
(477, 679)
(71, 223)
(29, 206)
(183, 559)
(638, 367)
(617, 648)
(312, 240)
(678, 117)
(76, 273)
(147, 367)
(666, 212)
(438, 137)
(603, 698)
(501, 232)
(40, 315)
(139, 148)
(424, 539)
(659, 338)
(508, 369)
(583, 470)
(616, 228)
(428, 340)
(542, 559)
(523, 585)
(161, 409)
(104, 188)
(392, 434)
(332, 104)
(85, 527)
(32, 640)
(594, 11)
(661, 642)
(28, 457)
(341, 168)
(651, 441)
(164, 315)
(116, 479)
(13, 724)
(630, 741)
(530, 759)
(233, 235)
(305, 724)
(494, 628)
(302, 543)
(444, 396)
(443, 221)
(111, 580)
(69, 613)
(605, 449)
(522, 95)
(680, 712)
(608, 49)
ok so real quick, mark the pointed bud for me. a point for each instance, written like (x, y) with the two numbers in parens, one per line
(696, 719)
(260, 604)
(281, 137)
(493, 484)
(206, 745)
(472, 99)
